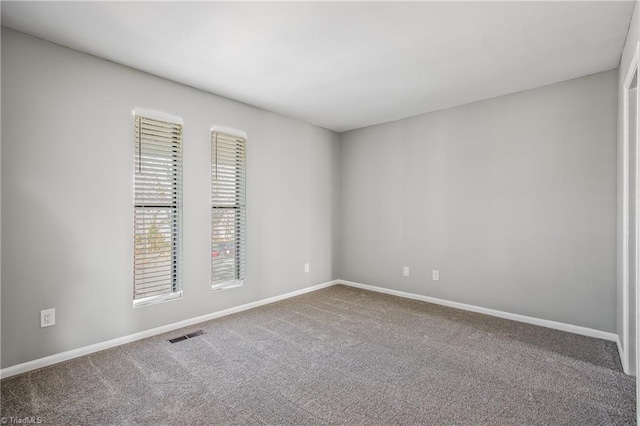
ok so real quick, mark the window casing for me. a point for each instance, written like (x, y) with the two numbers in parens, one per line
(228, 158)
(157, 208)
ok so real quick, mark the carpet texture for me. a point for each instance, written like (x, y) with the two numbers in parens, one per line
(338, 356)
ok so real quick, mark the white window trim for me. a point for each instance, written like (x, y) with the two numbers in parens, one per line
(161, 116)
(230, 131)
(158, 115)
(138, 303)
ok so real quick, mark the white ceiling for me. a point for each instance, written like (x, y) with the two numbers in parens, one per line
(342, 65)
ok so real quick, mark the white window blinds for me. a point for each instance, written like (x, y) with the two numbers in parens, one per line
(228, 154)
(158, 210)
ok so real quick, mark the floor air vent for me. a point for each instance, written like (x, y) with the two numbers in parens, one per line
(186, 336)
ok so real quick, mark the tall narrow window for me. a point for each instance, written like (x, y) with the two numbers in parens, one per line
(228, 151)
(158, 208)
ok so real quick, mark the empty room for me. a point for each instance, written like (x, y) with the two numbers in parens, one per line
(319, 213)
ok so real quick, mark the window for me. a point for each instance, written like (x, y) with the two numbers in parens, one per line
(158, 208)
(228, 153)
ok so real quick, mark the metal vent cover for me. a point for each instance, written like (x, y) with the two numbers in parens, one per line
(186, 336)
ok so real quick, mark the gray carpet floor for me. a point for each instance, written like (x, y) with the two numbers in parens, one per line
(338, 356)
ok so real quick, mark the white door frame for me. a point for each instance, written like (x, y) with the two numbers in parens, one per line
(631, 72)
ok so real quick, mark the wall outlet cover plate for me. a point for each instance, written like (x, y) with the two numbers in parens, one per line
(47, 318)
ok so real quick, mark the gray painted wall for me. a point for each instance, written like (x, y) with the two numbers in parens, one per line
(67, 167)
(513, 199)
(627, 54)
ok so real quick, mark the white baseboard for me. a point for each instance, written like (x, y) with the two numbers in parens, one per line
(85, 350)
(576, 329)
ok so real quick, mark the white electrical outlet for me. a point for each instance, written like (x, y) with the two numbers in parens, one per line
(405, 271)
(435, 275)
(306, 267)
(47, 318)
